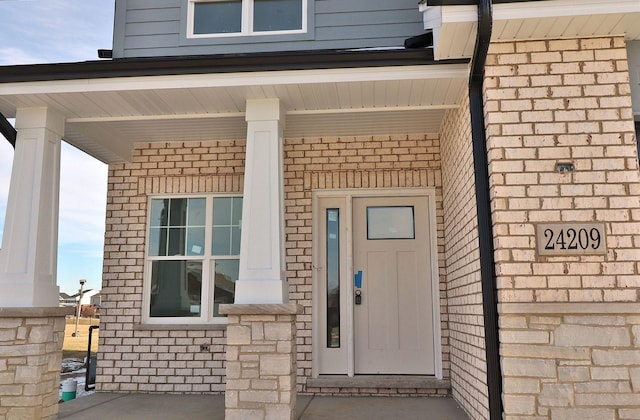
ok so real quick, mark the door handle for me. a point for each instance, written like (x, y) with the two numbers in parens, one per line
(357, 279)
(358, 297)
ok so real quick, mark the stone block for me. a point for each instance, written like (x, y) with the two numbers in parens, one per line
(521, 386)
(11, 390)
(264, 384)
(588, 336)
(636, 335)
(278, 331)
(602, 387)
(258, 396)
(7, 335)
(27, 374)
(573, 373)
(24, 413)
(609, 373)
(523, 337)
(556, 395)
(275, 364)
(10, 323)
(607, 399)
(519, 404)
(635, 379)
(278, 412)
(629, 413)
(244, 414)
(583, 414)
(616, 357)
(534, 368)
(545, 352)
(238, 335)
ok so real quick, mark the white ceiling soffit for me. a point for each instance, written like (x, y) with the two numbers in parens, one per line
(106, 117)
(454, 27)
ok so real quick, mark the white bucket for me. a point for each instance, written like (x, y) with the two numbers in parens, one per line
(69, 388)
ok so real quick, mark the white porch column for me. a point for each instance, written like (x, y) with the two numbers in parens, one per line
(262, 264)
(28, 259)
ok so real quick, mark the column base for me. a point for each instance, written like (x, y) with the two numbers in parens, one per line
(259, 291)
(261, 361)
(30, 358)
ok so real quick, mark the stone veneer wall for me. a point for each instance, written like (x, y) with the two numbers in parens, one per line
(135, 358)
(570, 342)
(261, 361)
(464, 294)
(30, 358)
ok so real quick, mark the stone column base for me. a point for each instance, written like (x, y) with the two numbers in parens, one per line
(30, 357)
(261, 361)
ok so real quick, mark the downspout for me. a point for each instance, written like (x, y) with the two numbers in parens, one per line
(485, 234)
(7, 130)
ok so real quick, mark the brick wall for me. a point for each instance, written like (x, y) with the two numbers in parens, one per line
(161, 358)
(565, 101)
(464, 297)
(551, 101)
(348, 162)
(136, 358)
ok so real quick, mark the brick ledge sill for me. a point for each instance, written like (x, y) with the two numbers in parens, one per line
(36, 312)
(179, 327)
(379, 381)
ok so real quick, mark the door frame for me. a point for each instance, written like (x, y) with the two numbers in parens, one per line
(348, 195)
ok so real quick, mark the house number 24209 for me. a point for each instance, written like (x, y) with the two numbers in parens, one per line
(571, 239)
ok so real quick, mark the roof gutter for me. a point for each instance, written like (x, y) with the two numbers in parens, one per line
(225, 63)
(7, 130)
(483, 203)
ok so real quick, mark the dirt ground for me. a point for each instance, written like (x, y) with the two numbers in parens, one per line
(77, 346)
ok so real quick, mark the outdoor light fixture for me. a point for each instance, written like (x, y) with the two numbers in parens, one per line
(564, 167)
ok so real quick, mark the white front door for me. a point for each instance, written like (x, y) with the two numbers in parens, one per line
(377, 248)
(393, 322)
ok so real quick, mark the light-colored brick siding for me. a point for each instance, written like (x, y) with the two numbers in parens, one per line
(565, 100)
(169, 360)
(464, 297)
(160, 359)
(350, 162)
(569, 343)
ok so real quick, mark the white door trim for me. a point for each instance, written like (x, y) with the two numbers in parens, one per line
(349, 195)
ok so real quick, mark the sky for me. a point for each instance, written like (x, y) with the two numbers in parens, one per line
(54, 31)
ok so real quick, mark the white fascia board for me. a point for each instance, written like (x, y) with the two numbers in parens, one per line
(537, 10)
(273, 78)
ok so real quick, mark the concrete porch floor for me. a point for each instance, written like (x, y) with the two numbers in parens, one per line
(155, 406)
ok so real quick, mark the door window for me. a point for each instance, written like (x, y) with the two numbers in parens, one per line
(390, 222)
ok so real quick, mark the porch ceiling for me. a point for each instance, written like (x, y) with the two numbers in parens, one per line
(105, 117)
(454, 27)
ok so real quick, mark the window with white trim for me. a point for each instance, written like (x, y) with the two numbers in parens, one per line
(209, 18)
(193, 251)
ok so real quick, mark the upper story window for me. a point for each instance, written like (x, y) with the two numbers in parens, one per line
(209, 18)
(192, 262)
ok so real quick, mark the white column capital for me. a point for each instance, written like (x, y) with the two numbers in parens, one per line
(40, 117)
(264, 110)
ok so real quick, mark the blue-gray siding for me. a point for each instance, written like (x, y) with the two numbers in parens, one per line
(145, 28)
